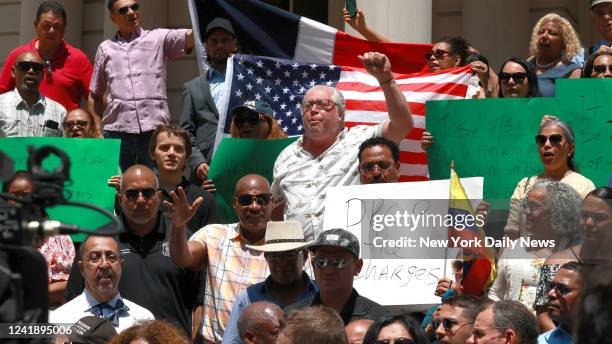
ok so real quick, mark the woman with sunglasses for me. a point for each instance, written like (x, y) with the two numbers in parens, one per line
(253, 120)
(395, 329)
(555, 52)
(517, 79)
(79, 123)
(598, 65)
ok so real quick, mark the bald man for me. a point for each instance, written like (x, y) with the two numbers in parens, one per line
(356, 330)
(221, 248)
(24, 111)
(149, 278)
(260, 323)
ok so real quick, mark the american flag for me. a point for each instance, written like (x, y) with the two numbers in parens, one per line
(283, 83)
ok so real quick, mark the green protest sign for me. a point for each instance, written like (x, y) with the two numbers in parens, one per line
(92, 161)
(494, 138)
(236, 158)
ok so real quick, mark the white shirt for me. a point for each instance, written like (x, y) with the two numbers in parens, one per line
(301, 180)
(77, 308)
(17, 119)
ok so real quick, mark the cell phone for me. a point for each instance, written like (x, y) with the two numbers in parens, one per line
(51, 124)
(351, 7)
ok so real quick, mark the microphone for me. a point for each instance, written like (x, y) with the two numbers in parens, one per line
(48, 228)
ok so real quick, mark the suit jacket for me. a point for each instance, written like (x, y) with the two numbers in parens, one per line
(200, 117)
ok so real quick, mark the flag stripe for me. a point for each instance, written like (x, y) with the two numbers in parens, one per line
(458, 90)
(315, 43)
(375, 117)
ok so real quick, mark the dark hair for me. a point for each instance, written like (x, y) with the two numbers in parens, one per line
(315, 325)
(81, 250)
(21, 174)
(568, 133)
(171, 130)
(410, 324)
(588, 66)
(595, 313)
(54, 7)
(380, 141)
(517, 317)
(604, 192)
(470, 303)
(532, 77)
(473, 57)
(459, 46)
(573, 266)
(110, 5)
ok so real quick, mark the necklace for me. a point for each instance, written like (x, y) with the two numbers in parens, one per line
(546, 66)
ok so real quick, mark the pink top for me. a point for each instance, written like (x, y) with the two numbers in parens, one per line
(59, 253)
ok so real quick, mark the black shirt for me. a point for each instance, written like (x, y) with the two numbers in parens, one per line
(207, 211)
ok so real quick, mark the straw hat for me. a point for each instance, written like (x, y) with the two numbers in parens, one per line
(282, 236)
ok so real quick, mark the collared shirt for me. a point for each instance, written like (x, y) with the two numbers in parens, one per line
(80, 306)
(216, 80)
(59, 254)
(133, 77)
(259, 292)
(556, 336)
(68, 81)
(301, 180)
(231, 268)
(17, 119)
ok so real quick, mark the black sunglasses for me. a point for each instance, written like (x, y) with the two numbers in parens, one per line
(25, 66)
(438, 54)
(134, 193)
(261, 199)
(401, 340)
(70, 124)
(123, 10)
(251, 118)
(602, 68)
(448, 323)
(561, 288)
(518, 77)
(554, 139)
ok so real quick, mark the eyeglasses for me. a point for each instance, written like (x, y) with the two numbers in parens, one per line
(518, 77)
(97, 257)
(438, 54)
(448, 323)
(400, 340)
(603, 11)
(323, 104)
(339, 263)
(531, 205)
(369, 167)
(25, 66)
(554, 139)
(133, 194)
(70, 124)
(261, 199)
(124, 10)
(602, 68)
(561, 288)
(282, 256)
(252, 119)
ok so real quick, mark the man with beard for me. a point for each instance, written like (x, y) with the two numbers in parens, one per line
(100, 265)
(601, 15)
(222, 249)
(24, 111)
(378, 161)
(203, 95)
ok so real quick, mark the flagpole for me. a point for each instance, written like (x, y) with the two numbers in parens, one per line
(452, 167)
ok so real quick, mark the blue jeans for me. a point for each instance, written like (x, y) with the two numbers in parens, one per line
(134, 148)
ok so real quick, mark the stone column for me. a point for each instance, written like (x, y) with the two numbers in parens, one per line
(74, 13)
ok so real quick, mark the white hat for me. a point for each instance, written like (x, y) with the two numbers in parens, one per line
(282, 236)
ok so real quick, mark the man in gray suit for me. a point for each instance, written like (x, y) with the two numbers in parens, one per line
(202, 95)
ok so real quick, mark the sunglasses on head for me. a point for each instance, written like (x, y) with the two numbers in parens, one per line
(602, 68)
(252, 118)
(133, 194)
(123, 10)
(518, 77)
(561, 288)
(70, 124)
(438, 54)
(339, 263)
(554, 139)
(261, 199)
(25, 66)
(448, 323)
(400, 340)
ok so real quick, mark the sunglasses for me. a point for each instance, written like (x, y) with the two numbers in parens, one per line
(554, 139)
(448, 323)
(70, 124)
(261, 199)
(561, 288)
(282, 256)
(400, 340)
(339, 263)
(133, 194)
(96, 258)
(25, 66)
(602, 68)
(252, 119)
(518, 77)
(369, 167)
(124, 10)
(438, 54)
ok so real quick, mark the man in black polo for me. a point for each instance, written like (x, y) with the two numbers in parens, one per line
(149, 278)
(335, 259)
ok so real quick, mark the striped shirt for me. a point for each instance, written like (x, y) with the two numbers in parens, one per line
(231, 267)
(17, 119)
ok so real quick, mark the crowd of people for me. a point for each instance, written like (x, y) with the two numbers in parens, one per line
(175, 274)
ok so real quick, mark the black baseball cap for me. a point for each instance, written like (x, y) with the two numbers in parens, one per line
(91, 330)
(337, 237)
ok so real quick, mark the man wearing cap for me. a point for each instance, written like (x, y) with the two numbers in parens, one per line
(335, 259)
(601, 15)
(285, 252)
(100, 264)
(128, 85)
(254, 120)
(202, 96)
(90, 330)
(222, 250)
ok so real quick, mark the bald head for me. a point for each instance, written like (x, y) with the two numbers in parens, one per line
(260, 322)
(251, 181)
(356, 330)
(138, 172)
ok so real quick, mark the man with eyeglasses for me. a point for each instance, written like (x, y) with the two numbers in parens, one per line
(100, 264)
(601, 15)
(453, 324)
(326, 155)
(128, 85)
(24, 112)
(379, 161)
(336, 262)
(150, 278)
(504, 322)
(221, 249)
(285, 252)
(563, 304)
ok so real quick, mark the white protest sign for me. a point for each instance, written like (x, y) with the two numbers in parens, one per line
(402, 226)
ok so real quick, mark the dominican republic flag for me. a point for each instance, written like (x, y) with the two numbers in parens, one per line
(266, 30)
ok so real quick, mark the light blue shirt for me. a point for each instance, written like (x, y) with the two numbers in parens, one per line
(556, 336)
(216, 80)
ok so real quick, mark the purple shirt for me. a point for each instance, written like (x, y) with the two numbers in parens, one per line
(133, 77)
